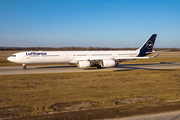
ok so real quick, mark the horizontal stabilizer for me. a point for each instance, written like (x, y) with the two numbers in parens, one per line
(155, 55)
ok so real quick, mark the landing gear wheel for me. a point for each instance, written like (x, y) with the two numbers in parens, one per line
(24, 66)
(99, 66)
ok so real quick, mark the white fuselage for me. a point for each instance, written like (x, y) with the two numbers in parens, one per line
(41, 57)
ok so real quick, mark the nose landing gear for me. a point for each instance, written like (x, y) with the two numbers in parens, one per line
(24, 66)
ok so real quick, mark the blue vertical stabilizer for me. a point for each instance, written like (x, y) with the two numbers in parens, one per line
(147, 47)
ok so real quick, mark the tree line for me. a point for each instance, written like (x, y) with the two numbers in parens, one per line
(76, 48)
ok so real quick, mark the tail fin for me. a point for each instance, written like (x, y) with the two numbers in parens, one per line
(147, 47)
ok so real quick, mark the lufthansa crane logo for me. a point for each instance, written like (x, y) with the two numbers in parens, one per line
(149, 45)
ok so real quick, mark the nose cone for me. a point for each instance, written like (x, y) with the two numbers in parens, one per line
(9, 59)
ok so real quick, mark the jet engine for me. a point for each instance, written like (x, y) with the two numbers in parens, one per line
(84, 64)
(109, 63)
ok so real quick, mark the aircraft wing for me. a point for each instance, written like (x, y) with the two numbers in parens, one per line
(90, 59)
(115, 58)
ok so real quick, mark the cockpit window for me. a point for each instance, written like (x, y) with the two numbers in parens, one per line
(13, 55)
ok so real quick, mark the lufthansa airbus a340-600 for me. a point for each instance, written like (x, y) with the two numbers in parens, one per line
(84, 59)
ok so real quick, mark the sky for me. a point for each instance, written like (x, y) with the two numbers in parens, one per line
(89, 23)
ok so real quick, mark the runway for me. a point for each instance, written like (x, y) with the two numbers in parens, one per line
(160, 116)
(70, 68)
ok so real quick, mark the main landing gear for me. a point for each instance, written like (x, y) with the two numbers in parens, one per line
(99, 66)
(24, 66)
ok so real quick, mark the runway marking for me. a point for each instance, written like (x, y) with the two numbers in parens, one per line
(3, 70)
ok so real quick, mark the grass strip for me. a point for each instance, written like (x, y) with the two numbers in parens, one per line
(41, 91)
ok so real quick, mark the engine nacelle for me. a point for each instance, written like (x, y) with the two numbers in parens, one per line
(84, 64)
(109, 63)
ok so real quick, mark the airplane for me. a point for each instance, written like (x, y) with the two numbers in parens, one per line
(85, 59)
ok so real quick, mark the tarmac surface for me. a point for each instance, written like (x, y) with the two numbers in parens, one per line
(161, 116)
(70, 68)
